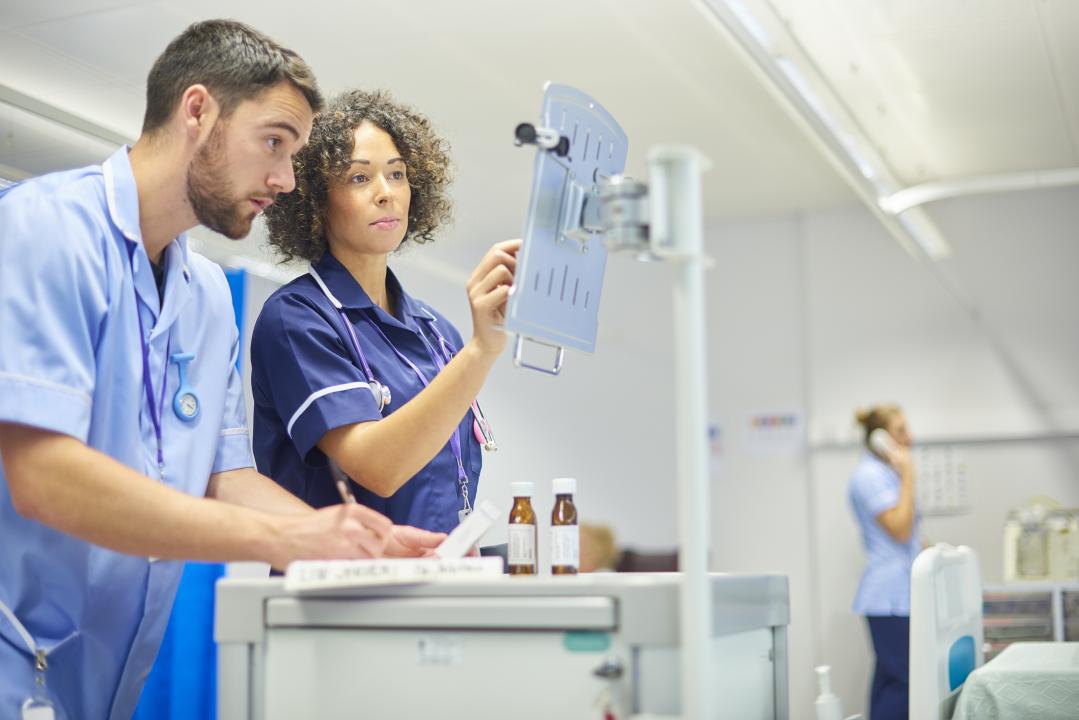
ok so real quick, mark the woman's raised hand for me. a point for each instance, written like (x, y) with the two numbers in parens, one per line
(488, 288)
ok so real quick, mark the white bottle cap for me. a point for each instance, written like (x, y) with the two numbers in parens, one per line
(823, 680)
(523, 488)
(564, 486)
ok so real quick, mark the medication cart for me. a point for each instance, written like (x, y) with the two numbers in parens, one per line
(539, 647)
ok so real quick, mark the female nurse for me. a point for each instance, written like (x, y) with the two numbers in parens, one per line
(353, 378)
(881, 495)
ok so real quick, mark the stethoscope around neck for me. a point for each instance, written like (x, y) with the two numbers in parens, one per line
(380, 392)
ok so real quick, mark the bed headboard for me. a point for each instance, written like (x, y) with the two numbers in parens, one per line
(945, 628)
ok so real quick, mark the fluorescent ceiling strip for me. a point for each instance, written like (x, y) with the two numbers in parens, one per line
(809, 100)
(925, 233)
(9, 96)
(912, 197)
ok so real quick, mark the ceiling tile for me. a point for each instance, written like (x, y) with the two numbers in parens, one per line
(23, 14)
(1060, 25)
(944, 89)
(68, 84)
(121, 43)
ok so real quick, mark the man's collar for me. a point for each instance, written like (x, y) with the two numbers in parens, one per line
(122, 197)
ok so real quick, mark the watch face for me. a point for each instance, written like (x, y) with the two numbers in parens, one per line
(189, 405)
(381, 393)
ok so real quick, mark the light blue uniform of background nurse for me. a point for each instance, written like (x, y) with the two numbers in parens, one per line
(882, 497)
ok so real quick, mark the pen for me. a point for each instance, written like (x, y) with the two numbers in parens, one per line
(342, 484)
(346, 494)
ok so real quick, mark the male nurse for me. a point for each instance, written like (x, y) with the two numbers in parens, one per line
(123, 439)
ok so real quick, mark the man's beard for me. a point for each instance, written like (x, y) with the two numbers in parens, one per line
(210, 192)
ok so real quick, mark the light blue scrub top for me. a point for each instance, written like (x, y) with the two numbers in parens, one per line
(71, 362)
(885, 586)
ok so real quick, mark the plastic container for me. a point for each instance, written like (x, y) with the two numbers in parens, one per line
(828, 706)
(1017, 603)
(1012, 629)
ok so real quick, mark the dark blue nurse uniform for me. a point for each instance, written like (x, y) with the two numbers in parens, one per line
(307, 379)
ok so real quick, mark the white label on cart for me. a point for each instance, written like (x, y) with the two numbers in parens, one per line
(522, 545)
(440, 649)
(565, 546)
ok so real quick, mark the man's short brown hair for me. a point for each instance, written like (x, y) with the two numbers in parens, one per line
(234, 61)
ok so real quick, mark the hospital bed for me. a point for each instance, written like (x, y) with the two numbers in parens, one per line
(949, 678)
(945, 628)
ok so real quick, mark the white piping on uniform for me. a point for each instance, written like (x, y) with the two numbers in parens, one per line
(316, 395)
(80, 394)
(326, 290)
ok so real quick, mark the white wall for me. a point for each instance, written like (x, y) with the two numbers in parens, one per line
(606, 420)
(819, 314)
(882, 328)
(759, 499)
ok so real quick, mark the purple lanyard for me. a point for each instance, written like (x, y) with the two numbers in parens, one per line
(440, 362)
(147, 383)
(356, 345)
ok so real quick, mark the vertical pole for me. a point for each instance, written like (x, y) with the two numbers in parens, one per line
(676, 232)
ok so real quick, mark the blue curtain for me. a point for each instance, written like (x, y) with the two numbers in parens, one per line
(183, 682)
(238, 286)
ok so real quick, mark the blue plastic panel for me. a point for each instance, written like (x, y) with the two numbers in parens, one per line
(961, 661)
(559, 279)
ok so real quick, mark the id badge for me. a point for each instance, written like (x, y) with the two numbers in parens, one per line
(36, 709)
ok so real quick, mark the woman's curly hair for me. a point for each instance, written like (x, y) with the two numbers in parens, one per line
(296, 220)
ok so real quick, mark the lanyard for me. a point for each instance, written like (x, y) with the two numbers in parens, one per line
(444, 346)
(356, 344)
(483, 434)
(481, 427)
(440, 362)
(41, 662)
(147, 383)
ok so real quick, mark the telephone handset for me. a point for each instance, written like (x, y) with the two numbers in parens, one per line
(881, 441)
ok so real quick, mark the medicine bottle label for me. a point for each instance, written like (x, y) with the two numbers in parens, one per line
(565, 546)
(522, 545)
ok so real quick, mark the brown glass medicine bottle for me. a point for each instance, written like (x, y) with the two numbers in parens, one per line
(521, 553)
(565, 541)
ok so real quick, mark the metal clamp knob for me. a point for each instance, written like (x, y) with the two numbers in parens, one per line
(611, 669)
(546, 138)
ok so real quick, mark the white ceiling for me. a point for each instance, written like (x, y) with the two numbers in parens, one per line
(951, 88)
(943, 88)
(30, 145)
(476, 68)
